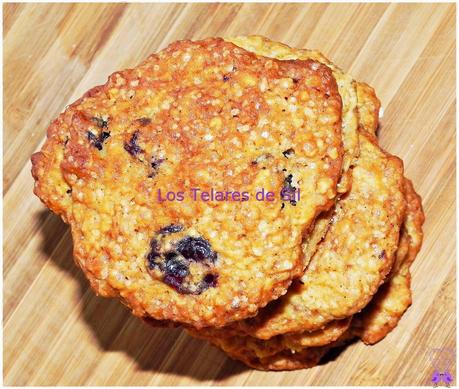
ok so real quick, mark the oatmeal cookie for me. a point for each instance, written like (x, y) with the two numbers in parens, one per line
(272, 354)
(134, 164)
(394, 297)
(368, 106)
(346, 86)
(353, 259)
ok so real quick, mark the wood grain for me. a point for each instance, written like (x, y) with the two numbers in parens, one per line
(56, 332)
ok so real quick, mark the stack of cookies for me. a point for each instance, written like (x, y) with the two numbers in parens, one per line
(236, 187)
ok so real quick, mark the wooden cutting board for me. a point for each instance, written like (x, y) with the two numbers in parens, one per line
(56, 332)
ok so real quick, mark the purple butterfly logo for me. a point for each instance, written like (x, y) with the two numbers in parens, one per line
(442, 360)
(438, 378)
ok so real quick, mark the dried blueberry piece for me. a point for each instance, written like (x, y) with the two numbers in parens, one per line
(289, 190)
(132, 147)
(288, 187)
(144, 121)
(176, 283)
(175, 272)
(196, 249)
(154, 246)
(153, 255)
(210, 280)
(175, 266)
(101, 123)
(382, 254)
(171, 229)
(226, 77)
(104, 136)
(152, 263)
(155, 164)
(94, 140)
(289, 152)
(98, 141)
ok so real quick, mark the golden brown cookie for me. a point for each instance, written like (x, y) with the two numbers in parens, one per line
(346, 86)
(394, 297)
(283, 360)
(288, 359)
(353, 259)
(368, 106)
(371, 325)
(120, 165)
(284, 352)
(265, 355)
(331, 332)
(271, 354)
(360, 108)
(230, 339)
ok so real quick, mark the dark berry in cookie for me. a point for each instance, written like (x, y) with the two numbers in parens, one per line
(182, 262)
(196, 249)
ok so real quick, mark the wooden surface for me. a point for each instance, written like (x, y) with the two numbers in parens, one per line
(56, 332)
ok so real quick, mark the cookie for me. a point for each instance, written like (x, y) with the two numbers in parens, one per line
(230, 340)
(157, 171)
(282, 360)
(346, 86)
(353, 259)
(322, 337)
(394, 297)
(264, 355)
(368, 107)
(272, 354)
